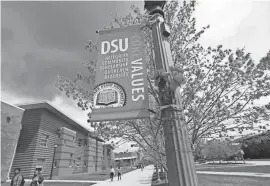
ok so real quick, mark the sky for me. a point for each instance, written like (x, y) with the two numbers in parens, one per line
(40, 40)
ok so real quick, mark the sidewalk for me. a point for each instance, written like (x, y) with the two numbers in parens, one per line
(134, 178)
(245, 174)
(254, 162)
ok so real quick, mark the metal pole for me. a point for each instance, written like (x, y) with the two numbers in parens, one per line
(180, 162)
(52, 162)
(96, 155)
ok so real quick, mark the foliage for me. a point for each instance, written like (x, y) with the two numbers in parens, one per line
(220, 150)
(221, 85)
(258, 146)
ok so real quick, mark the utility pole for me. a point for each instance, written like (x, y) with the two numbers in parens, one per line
(180, 162)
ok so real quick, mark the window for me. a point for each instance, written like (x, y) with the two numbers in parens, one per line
(54, 164)
(70, 160)
(65, 142)
(85, 142)
(79, 142)
(44, 140)
(85, 163)
(78, 161)
(8, 119)
(40, 163)
(108, 152)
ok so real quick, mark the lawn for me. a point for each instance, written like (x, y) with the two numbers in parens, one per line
(95, 176)
(214, 180)
(256, 169)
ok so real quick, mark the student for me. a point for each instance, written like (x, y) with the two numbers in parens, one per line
(112, 173)
(37, 179)
(17, 179)
(119, 173)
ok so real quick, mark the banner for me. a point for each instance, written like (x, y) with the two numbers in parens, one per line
(121, 87)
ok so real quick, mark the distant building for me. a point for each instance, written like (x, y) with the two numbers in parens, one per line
(11, 117)
(126, 158)
(54, 143)
(108, 156)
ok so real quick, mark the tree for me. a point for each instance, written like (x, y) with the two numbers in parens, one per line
(217, 149)
(219, 92)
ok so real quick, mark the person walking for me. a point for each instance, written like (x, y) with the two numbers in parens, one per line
(37, 179)
(17, 179)
(119, 173)
(112, 173)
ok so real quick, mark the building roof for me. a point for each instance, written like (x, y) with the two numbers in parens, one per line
(108, 145)
(48, 106)
(126, 158)
(122, 155)
(3, 102)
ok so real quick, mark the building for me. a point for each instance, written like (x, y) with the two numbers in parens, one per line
(54, 143)
(11, 117)
(108, 156)
(126, 159)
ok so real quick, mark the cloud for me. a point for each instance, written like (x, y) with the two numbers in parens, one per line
(69, 107)
(236, 24)
(44, 39)
(29, 68)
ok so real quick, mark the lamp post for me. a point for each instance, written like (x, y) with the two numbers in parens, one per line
(53, 162)
(180, 162)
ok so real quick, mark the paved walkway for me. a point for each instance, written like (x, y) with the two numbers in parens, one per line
(248, 162)
(254, 162)
(134, 178)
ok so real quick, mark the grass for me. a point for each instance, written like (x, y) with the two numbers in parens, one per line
(215, 180)
(95, 176)
(255, 169)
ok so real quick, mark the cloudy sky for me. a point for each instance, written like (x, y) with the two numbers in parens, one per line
(41, 40)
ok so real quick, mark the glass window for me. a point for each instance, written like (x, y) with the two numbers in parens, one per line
(79, 142)
(54, 164)
(85, 142)
(78, 161)
(40, 163)
(44, 140)
(70, 160)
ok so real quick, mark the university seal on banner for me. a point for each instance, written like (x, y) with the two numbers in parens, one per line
(108, 95)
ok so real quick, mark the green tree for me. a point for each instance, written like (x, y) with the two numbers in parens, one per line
(220, 89)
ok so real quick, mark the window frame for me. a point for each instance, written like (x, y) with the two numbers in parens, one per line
(43, 163)
(46, 140)
(71, 159)
(79, 142)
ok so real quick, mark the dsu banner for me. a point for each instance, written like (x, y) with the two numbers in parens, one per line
(121, 87)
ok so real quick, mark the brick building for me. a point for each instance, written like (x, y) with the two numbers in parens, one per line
(108, 155)
(127, 159)
(54, 143)
(11, 117)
